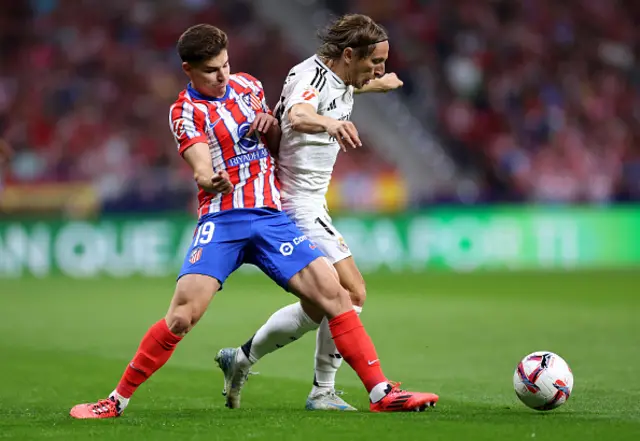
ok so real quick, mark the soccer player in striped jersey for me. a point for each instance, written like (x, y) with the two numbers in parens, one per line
(314, 111)
(222, 127)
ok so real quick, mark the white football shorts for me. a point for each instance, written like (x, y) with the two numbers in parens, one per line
(317, 225)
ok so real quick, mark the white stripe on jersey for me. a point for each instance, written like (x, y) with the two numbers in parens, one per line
(214, 150)
(243, 82)
(243, 170)
(258, 183)
(232, 127)
(248, 84)
(188, 124)
(246, 110)
(216, 202)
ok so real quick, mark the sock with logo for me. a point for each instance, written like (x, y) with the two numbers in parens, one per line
(283, 327)
(357, 349)
(328, 359)
(155, 349)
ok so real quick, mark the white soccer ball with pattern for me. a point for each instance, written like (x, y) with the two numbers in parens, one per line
(543, 380)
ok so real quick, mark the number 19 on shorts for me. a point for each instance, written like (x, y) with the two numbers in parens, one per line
(204, 235)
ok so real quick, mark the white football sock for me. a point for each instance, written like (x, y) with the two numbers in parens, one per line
(328, 360)
(122, 401)
(283, 327)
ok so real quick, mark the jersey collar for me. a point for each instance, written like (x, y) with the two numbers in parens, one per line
(335, 78)
(199, 96)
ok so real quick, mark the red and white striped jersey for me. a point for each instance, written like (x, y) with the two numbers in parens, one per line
(223, 123)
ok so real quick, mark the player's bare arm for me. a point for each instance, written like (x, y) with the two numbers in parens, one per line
(305, 119)
(385, 83)
(267, 124)
(199, 158)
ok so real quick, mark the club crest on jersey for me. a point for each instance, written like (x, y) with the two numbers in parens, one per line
(195, 255)
(252, 101)
(342, 245)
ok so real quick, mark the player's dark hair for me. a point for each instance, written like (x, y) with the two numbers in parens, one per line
(201, 42)
(356, 31)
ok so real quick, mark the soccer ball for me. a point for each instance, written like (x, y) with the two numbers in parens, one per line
(543, 380)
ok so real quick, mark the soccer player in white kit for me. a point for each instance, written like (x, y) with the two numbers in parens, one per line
(314, 113)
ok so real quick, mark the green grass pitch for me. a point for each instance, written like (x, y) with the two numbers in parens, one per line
(67, 341)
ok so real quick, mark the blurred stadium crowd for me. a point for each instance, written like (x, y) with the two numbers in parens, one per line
(539, 98)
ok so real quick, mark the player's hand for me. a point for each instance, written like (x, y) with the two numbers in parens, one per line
(345, 133)
(262, 123)
(389, 81)
(221, 183)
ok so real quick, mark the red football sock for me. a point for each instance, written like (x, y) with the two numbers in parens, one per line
(155, 349)
(356, 347)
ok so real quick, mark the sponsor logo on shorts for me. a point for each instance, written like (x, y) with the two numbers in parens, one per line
(342, 245)
(196, 254)
(286, 249)
(313, 245)
(298, 240)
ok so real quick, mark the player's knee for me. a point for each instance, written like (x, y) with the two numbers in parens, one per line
(183, 315)
(335, 299)
(179, 321)
(358, 294)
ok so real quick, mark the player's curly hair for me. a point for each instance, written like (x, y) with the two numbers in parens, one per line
(356, 31)
(201, 42)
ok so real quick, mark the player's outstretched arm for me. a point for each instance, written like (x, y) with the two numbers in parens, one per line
(199, 158)
(305, 119)
(385, 83)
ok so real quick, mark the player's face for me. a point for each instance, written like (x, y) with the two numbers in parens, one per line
(210, 77)
(366, 69)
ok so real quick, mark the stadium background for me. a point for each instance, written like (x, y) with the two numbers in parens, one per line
(497, 189)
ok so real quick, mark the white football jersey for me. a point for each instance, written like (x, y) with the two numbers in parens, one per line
(306, 161)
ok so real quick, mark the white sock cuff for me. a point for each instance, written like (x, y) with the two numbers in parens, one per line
(357, 309)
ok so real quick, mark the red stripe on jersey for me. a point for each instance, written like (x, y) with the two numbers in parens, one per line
(239, 88)
(248, 195)
(204, 201)
(223, 135)
(268, 194)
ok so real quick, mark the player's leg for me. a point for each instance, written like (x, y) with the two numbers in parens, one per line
(284, 326)
(315, 284)
(295, 263)
(208, 263)
(278, 237)
(319, 228)
(292, 321)
(327, 358)
(192, 296)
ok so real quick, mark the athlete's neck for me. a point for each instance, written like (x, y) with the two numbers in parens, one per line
(209, 96)
(338, 68)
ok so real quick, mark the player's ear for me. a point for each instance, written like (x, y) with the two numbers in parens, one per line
(186, 67)
(347, 55)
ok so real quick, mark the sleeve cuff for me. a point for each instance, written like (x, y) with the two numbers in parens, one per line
(189, 142)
